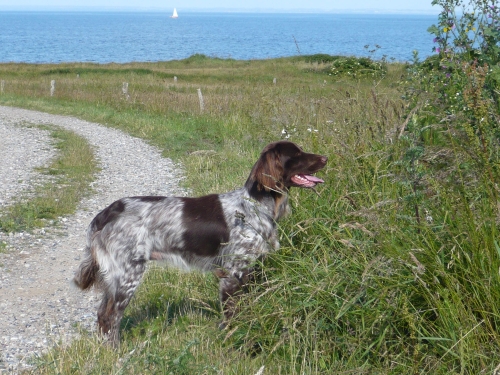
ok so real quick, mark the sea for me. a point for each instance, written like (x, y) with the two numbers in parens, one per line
(121, 37)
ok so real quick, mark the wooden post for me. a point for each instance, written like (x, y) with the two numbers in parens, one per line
(125, 90)
(2, 86)
(202, 104)
(52, 87)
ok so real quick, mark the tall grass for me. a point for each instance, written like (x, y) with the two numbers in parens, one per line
(70, 174)
(388, 269)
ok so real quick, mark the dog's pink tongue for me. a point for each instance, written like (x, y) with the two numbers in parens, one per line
(313, 179)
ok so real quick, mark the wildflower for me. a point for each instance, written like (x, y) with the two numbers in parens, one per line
(428, 217)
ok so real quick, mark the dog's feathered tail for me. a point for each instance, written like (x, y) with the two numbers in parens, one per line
(87, 272)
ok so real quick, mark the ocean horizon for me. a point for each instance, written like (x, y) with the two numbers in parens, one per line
(121, 37)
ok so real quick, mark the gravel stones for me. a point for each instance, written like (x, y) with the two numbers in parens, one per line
(17, 144)
(38, 305)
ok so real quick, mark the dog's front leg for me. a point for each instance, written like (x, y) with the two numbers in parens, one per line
(230, 287)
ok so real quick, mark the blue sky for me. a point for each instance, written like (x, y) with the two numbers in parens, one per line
(365, 6)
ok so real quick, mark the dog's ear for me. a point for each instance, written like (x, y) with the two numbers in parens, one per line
(268, 171)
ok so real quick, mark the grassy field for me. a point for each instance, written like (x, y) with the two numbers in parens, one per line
(389, 269)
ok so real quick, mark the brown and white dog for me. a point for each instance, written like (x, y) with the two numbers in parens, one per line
(225, 233)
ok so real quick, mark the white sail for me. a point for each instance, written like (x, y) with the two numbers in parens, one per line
(174, 15)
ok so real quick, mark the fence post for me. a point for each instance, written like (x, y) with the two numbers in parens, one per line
(125, 90)
(52, 87)
(202, 104)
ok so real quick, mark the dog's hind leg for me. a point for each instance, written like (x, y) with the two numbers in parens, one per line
(113, 305)
(230, 287)
(106, 313)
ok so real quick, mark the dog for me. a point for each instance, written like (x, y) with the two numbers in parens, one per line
(223, 233)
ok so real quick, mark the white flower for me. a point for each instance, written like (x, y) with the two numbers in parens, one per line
(428, 217)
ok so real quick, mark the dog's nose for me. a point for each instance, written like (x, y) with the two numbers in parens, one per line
(324, 159)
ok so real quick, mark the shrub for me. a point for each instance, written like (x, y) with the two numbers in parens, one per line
(357, 67)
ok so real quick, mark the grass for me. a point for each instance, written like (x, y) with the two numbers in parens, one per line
(240, 102)
(362, 284)
(70, 174)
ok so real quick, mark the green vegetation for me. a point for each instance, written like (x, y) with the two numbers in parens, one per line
(392, 268)
(70, 173)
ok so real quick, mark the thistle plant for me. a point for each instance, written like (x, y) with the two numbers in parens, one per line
(462, 79)
(468, 28)
(468, 31)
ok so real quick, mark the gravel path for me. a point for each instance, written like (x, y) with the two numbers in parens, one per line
(38, 306)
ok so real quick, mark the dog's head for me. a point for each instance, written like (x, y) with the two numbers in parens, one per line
(282, 165)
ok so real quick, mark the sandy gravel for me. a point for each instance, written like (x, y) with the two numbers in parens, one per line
(38, 306)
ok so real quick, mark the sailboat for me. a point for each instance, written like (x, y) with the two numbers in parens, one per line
(174, 15)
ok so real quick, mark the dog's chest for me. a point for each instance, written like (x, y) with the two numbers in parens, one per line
(252, 228)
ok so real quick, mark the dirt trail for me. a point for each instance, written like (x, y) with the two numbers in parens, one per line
(38, 305)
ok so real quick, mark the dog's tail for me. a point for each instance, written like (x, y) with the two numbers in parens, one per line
(87, 273)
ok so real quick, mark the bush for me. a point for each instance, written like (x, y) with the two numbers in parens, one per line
(357, 67)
